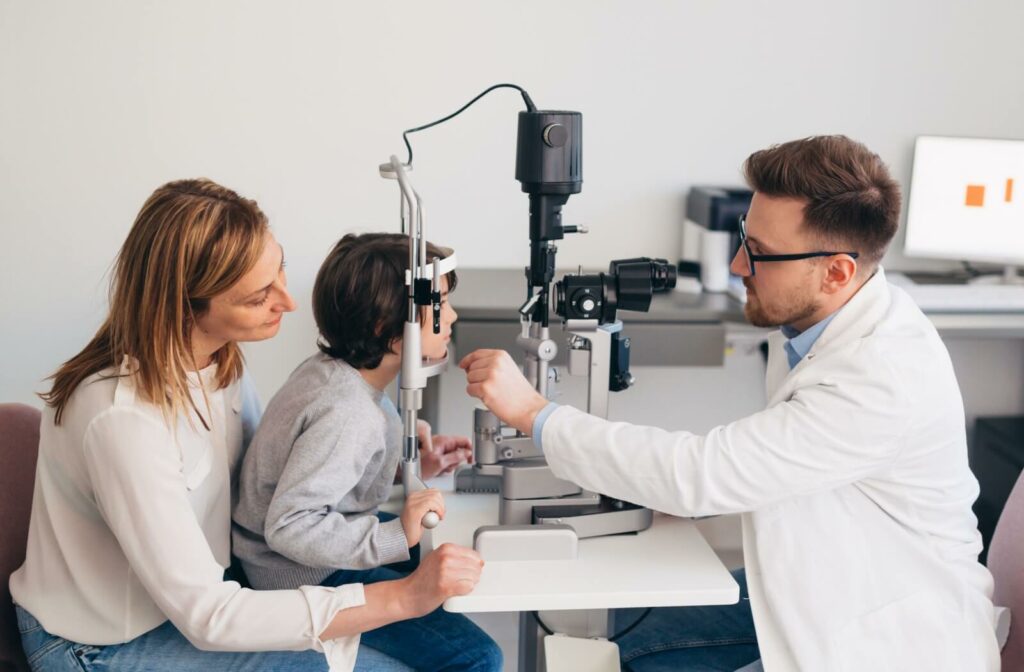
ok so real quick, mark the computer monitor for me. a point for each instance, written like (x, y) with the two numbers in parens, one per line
(967, 200)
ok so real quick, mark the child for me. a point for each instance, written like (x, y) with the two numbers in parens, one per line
(327, 452)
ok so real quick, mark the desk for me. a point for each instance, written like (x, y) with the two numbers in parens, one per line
(492, 296)
(978, 325)
(669, 564)
(679, 330)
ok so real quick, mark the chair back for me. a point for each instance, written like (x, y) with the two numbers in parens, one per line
(1005, 555)
(19, 445)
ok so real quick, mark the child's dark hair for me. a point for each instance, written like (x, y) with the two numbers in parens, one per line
(360, 297)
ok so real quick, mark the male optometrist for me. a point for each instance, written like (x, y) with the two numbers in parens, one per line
(860, 546)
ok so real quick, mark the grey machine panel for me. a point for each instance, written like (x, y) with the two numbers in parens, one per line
(653, 343)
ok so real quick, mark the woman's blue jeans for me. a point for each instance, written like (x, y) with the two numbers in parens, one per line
(695, 639)
(164, 649)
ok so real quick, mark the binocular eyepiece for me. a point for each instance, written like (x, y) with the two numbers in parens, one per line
(629, 284)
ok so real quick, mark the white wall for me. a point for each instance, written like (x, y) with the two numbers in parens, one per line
(295, 104)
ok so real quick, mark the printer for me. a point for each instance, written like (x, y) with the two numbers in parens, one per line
(711, 234)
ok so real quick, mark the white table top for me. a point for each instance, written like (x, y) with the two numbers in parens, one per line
(669, 564)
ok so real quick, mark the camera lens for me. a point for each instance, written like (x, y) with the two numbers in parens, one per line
(663, 275)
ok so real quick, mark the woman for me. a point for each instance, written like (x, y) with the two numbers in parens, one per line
(139, 444)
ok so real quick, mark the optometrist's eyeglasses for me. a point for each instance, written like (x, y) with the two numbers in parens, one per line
(751, 257)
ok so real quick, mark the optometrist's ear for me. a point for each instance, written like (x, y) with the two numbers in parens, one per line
(840, 270)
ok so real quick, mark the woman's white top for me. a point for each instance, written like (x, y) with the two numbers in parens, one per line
(131, 526)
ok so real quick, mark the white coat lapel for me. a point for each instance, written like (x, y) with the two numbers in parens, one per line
(778, 365)
(859, 316)
(856, 319)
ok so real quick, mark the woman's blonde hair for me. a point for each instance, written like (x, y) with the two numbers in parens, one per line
(192, 240)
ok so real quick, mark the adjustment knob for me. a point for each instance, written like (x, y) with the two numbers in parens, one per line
(584, 303)
(430, 520)
(555, 135)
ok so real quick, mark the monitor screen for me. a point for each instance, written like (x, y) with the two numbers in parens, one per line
(967, 200)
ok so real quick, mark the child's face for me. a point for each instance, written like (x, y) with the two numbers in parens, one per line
(436, 345)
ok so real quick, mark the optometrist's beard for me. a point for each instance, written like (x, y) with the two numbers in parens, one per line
(789, 308)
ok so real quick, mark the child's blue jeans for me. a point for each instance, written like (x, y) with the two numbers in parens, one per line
(438, 641)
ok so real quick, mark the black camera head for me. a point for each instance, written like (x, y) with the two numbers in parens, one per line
(629, 284)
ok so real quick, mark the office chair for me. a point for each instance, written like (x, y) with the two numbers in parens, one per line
(19, 445)
(1004, 561)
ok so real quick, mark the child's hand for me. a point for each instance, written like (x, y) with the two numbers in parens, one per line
(447, 571)
(441, 454)
(416, 506)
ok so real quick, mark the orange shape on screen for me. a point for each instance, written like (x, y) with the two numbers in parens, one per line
(975, 195)
(1009, 190)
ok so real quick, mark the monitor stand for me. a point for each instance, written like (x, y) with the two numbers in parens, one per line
(1008, 277)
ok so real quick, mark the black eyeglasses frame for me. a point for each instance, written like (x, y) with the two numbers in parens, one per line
(751, 257)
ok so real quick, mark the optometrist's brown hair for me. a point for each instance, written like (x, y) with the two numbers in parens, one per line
(360, 297)
(852, 201)
(192, 240)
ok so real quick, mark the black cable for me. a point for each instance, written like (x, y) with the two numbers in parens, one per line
(635, 623)
(972, 272)
(543, 627)
(526, 99)
(615, 637)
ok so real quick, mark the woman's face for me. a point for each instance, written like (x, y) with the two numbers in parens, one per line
(251, 310)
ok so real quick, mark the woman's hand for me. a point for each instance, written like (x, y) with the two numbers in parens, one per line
(441, 454)
(417, 504)
(447, 571)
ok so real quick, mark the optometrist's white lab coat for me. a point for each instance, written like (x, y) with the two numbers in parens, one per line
(859, 541)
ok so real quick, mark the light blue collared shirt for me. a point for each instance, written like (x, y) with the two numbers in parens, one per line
(538, 422)
(797, 347)
(800, 343)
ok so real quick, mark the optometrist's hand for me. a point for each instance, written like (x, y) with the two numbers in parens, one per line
(441, 454)
(417, 504)
(494, 378)
(446, 571)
